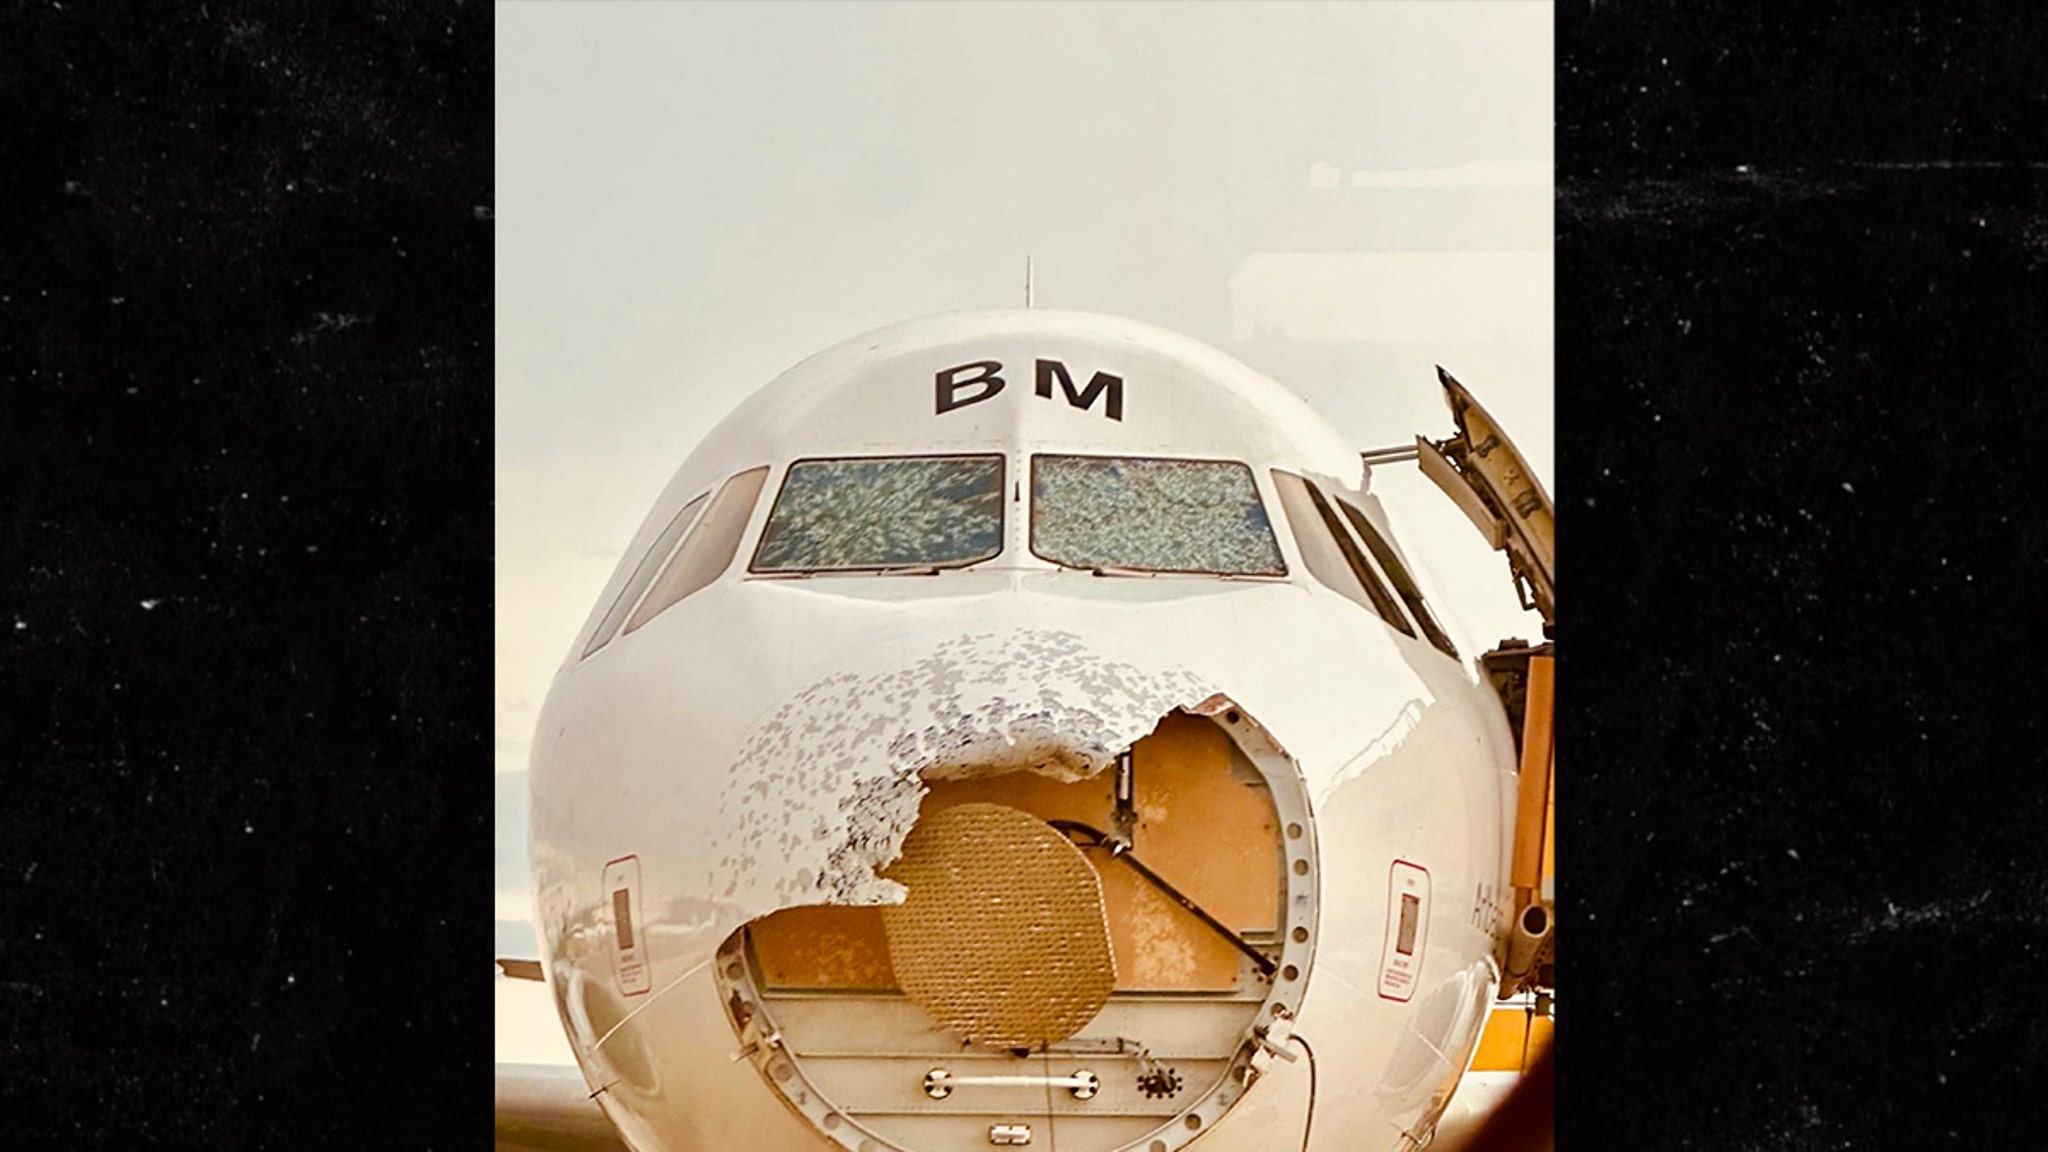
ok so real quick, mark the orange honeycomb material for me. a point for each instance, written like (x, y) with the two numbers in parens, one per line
(1003, 939)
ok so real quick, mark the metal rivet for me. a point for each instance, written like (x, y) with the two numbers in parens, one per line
(1294, 831)
(1301, 935)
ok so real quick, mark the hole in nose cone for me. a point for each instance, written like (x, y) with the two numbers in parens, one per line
(1052, 910)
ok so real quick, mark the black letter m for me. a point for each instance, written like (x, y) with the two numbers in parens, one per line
(1084, 398)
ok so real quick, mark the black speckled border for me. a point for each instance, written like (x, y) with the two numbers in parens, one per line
(1802, 353)
(245, 585)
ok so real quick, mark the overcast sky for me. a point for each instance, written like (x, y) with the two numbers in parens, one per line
(693, 197)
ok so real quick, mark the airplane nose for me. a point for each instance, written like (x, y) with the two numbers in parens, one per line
(1048, 886)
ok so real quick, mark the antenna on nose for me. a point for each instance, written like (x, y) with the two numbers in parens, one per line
(1027, 281)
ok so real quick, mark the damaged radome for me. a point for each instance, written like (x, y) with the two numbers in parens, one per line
(1117, 918)
(833, 780)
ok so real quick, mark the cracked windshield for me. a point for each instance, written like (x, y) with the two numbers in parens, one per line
(905, 512)
(1151, 515)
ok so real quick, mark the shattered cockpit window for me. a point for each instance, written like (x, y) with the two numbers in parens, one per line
(884, 512)
(1102, 512)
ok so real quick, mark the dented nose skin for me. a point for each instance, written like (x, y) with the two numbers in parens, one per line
(846, 760)
(722, 787)
(804, 799)
(1119, 886)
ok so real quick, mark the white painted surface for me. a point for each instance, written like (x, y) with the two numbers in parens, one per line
(690, 196)
(760, 745)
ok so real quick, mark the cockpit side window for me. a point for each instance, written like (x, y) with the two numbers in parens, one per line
(880, 513)
(643, 573)
(1331, 556)
(1151, 515)
(708, 550)
(1404, 584)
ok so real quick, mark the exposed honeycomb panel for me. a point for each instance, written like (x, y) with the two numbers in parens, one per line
(1003, 938)
(823, 946)
(1208, 827)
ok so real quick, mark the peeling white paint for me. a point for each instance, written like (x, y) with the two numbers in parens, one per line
(766, 743)
(826, 787)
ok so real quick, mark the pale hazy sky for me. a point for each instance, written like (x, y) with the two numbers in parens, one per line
(693, 197)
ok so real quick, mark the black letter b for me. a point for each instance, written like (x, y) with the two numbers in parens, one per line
(949, 384)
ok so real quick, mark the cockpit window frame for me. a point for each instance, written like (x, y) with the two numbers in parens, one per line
(700, 560)
(1002, 459)
(1251, 476)
(1387, 555)
(641, 576)
(1343, 555)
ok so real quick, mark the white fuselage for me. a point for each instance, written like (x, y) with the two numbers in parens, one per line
(760, 744)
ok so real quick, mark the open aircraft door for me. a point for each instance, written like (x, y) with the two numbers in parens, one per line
(1487, 477)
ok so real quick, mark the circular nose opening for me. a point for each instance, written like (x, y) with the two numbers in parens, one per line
(1535, 921)
(1132, 1019)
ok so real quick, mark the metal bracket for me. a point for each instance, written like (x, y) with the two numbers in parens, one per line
(939, 1083)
